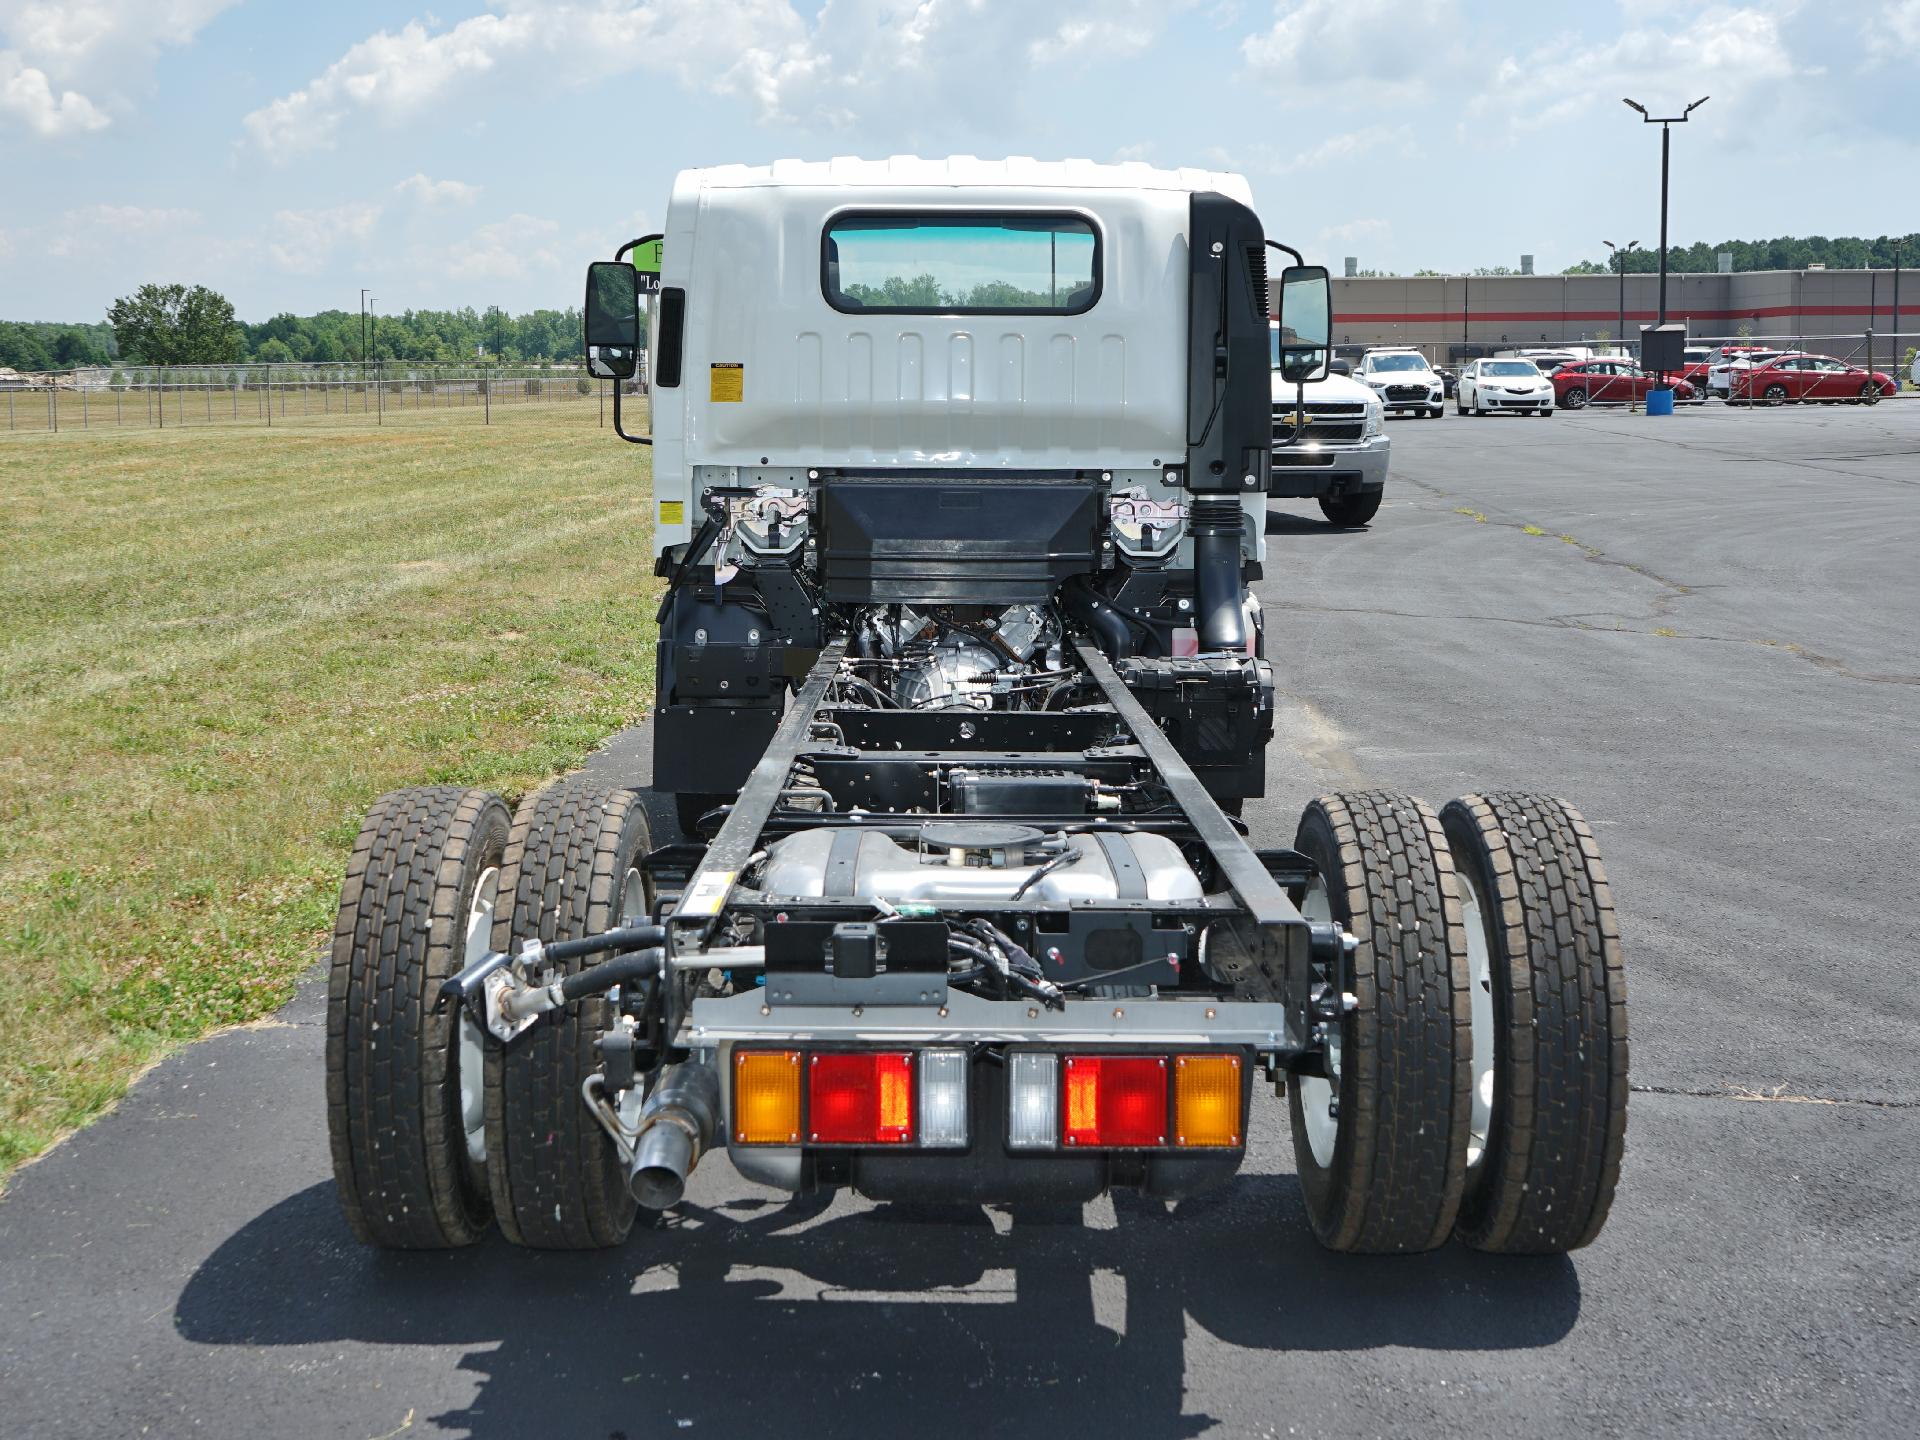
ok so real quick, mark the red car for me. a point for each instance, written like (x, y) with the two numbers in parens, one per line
(1809, 377)
(1609, 382)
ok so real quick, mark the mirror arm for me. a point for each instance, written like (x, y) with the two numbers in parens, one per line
(618, 429)
(1298, 259)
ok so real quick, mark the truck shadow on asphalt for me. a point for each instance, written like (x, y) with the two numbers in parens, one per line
(1282, 522)
(783, 1316)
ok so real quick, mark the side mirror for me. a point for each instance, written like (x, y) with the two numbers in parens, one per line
(1306, 322)
(611, 317)
(1340, 367)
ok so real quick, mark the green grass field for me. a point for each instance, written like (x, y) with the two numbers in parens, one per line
(216, 647)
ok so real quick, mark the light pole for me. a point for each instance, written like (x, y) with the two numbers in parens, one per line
(1666, 124)
(1620, 254)
(363, 328)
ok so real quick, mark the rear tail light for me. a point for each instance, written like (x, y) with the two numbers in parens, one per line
(1033, 1111)
(766, 1097)
(860, 1099)
(1206, 1100)
(943, 1099)
(1116, 1100)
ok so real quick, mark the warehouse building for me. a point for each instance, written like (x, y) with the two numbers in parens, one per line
(1456, 317)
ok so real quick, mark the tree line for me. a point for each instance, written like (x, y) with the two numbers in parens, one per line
(192, 325)
(1787, 252)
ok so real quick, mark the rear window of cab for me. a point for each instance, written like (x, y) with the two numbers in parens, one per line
(960, 263)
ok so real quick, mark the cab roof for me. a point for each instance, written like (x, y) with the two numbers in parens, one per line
(900, 172)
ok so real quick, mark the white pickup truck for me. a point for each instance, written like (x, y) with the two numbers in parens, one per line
(1340, 456)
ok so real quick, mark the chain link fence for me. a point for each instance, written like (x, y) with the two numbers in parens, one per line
(379, 393)
(1894, 354)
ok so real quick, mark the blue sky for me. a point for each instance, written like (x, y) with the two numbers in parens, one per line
(289, 154)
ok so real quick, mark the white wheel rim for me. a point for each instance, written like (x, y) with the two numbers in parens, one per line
(472, 1057)
(633, 899)
(1480, 985)
(1317, 1096)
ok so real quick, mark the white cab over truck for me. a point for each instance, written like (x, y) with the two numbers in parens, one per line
(959, 474)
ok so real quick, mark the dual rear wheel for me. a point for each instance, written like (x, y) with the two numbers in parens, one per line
(436, 1130)
(1479, 1085)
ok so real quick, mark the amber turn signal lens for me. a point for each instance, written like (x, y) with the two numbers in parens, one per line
(1206, 1100)
(766, 1097)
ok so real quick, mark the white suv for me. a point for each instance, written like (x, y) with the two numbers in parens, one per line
(1404, 381)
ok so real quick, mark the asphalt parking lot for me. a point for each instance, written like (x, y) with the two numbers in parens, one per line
(1700, 629)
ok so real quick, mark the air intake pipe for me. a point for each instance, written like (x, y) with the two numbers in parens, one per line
(680, 1121)
(1216, 523)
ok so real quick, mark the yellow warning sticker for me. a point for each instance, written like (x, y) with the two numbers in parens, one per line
(707, 894)
(726, 383)
(673, 512)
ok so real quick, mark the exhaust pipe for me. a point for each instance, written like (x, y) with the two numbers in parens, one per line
(1216, 522)
(677, 1129)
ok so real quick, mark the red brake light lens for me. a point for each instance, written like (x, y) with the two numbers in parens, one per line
(1115, 1100)
(860, 1099)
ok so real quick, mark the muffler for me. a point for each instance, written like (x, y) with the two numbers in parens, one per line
(677, 1128)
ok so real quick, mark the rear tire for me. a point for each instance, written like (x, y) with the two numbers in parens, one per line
(1776, 394)
(419, 895)
(1380, 1144)
(571, 869)
(1352, 510)
(1550, 1104)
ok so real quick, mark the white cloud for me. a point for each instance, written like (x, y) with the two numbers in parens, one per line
(1386, 51)
(507, 249)
(731, 46)
(106, 229)
(888, 59)
(1115, 29)
(1893, 34)
(67, 66)
(1305, 151)
(27, 96)
(304, 241)
(1734, 54)
(438, 192)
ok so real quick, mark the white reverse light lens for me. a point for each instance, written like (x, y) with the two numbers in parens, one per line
(1033, 1111)
(943, 1099)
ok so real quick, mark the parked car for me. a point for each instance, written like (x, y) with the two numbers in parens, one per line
(1698, 360)
(1611, 382)
(1720, 374)
(1515, 386)
(1548, 361)
(1404, 381)
(1810, 377)
(1449, 379)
